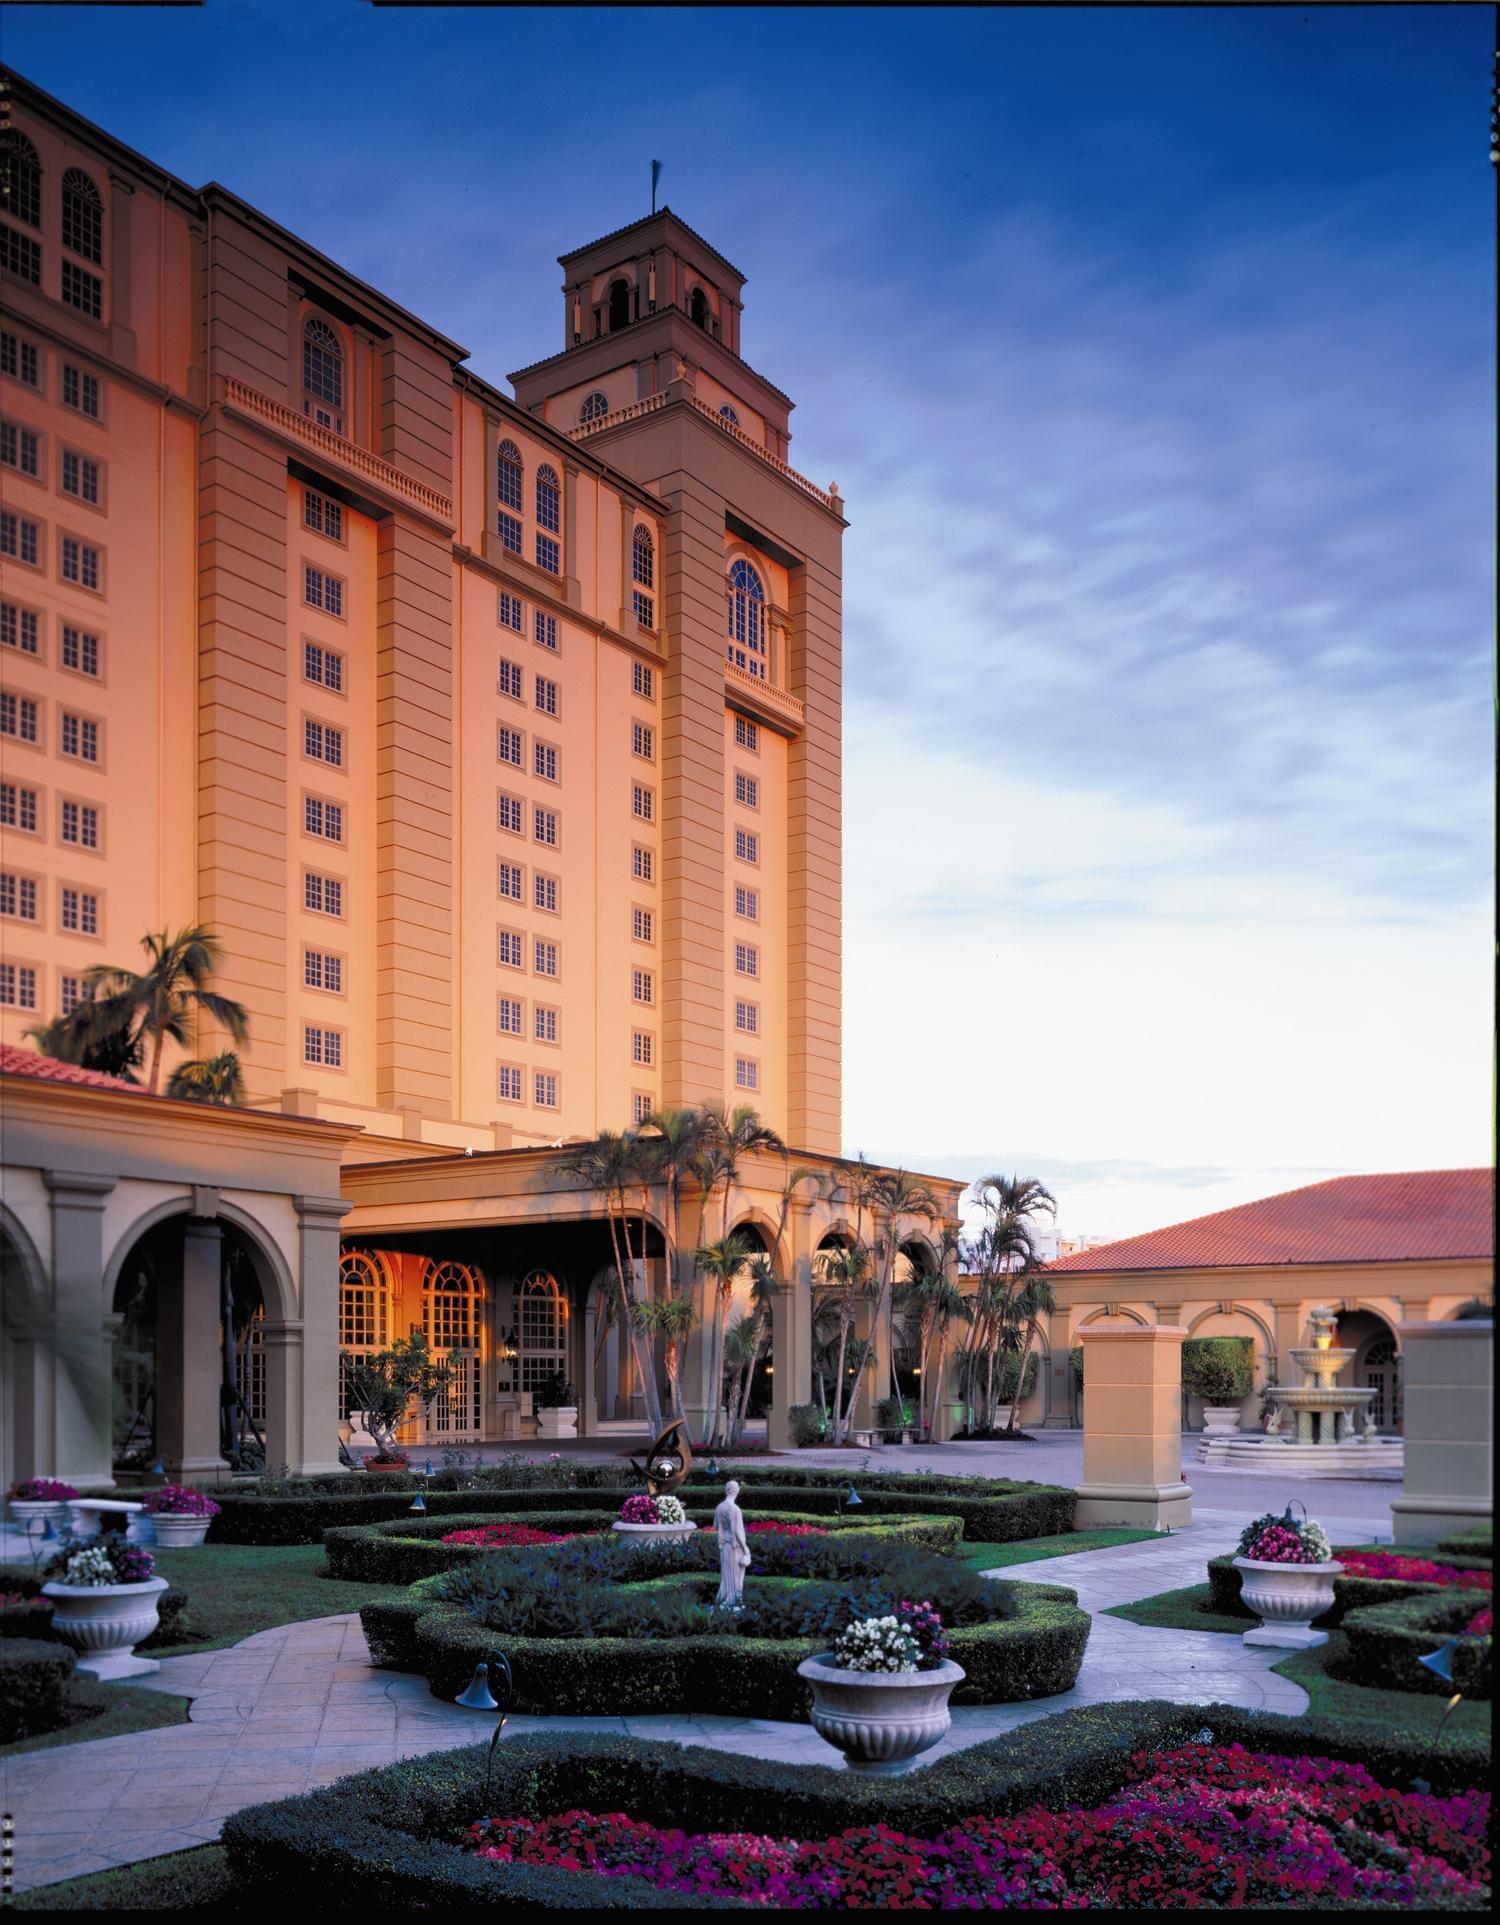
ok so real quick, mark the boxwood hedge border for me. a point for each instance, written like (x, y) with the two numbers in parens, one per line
(1385, 1642)
(383, 1838)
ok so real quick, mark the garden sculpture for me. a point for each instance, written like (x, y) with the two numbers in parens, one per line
(668, 1462)
(734, 1551)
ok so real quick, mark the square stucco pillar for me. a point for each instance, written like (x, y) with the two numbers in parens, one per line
(318, 1220)
(791, 1337)
(188, 1365)
(1448, 1404)
(1132, 1427)
(79, 1329)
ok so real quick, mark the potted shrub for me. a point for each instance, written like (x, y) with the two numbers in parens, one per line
(39, 1499)
(1286, 1578)
(383, 1386)
(881, 1694)
(104, 1603)
(645, 1520)
(1218, 1370)
(555, 1406)
(179, 1517)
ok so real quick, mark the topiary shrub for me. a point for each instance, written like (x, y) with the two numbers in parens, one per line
(34, 1675)
(1220, 1370)
(1384, 1643)
(1478, 1542)
(806, 1424)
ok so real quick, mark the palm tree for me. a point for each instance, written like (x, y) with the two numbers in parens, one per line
(609, 1167)
(893, 1195)
(720, 1263)
(763, 1288)
(173, 990)
(846, 1271)
(738, 1132)
(215, 1079)
(1033, 1301)
(1003, 1254)
(97, 1034)
(678, 1138)
(670, 1318)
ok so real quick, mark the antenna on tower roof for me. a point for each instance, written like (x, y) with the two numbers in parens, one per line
(655, 177)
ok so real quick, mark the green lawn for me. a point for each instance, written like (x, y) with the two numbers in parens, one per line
(236, 1589)
(1027, 1550)
(185, 1881)
(1185, 1610)
(104, 1711)
(1365, 1704)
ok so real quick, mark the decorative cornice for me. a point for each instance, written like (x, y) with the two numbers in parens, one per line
(743, 690)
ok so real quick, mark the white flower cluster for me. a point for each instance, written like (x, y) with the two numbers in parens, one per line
(1316, 1539)
(93, 1566)
(669, 1511)
(876, 1644)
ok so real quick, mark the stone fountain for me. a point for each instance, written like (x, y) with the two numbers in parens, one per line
(1324, 1439)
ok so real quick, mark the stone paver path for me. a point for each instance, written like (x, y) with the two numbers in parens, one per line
(300, 1706)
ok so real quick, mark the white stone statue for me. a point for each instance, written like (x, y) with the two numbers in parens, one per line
(734, 1551)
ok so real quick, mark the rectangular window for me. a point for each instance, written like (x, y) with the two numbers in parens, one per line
(642, 986)
(18, 807)
(642, 864)
(641, 925)
(323, 515)
(510, 610)
(510, 1016)
(18, 717)
(544, 1023)
(510, 810)
(83, 290)
(320, 590)
(509, 529)
(643, 681)
(746, 789)
(511, 880)
(22, 450)
(545, 1087)
(80, 562)
(325, 1046)
(546, 630)
(20, 257)
(544, 761)
(17, 986)
(80, 912)
(19, 538)
(544, 826)
(19, 629)
(747, 1018)
(546, 695)
(80, 391)
(80, 650)
(640, 1047)
(645, 609)
(18, 360)
(511, 681)
(70, 993)
(546, 893)
(509, 748)
(324, 894)
(79, 825)
(80, 477)
(322, 971)
(323, 666)
(325, 819)
(323, 744)
(641, 1106)
(643, 741)
(510, 949)
(17, 897)
(79, 738)
(544, 958)
(548, 555)
(509, 1083)
(747, 903)
(746, 845)
(642, 803)
(746, 959)
(746, 1073)
(747, 734)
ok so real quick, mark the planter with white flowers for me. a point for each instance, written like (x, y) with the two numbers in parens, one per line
(881, 1694)
(653, 1520)
(179, 1517)
(104, 1601)
(1286, 1578)
(40, 1500)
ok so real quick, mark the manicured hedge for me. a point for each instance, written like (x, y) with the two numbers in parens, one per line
(1477, 1542)
(993, 1511)
(381, 1839)
(1034, 1654)
(1385, 1642)
(34, 1676)
(1349, 1593)
(404, 1552)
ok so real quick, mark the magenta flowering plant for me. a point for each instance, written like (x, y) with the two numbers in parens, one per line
(927, 1628)
(176, 1500)
(1481, 1625)
(42, 1490)
(1280, 1540)
(1422, 1570)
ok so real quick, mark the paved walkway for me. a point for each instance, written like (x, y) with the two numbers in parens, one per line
(300, 1706)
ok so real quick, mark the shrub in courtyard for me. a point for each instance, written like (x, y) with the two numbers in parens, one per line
(1218, 1369)
(1385, 1643)
(807, 1424)
(33, 1686)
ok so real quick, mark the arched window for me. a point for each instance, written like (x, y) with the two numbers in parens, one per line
(82, 215)
(542, 1317)
(322, 374)
(451, 1295)
(595, 406)
(729, 415)
(1380, 1370)
(508, 475)
(548, 499)
(619, 306)
(643, 557)
(20, 179)
(698, 309)
(747, 619)
(364, 1313)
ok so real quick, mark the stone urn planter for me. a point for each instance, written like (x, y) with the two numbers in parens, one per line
(31, 1514)
(377, 1466)
(1221, 1420)
(882, 1721)
(178, 1530)
(654, 1533)
(560, 1421)
(1286, 1598)
(105, 1622)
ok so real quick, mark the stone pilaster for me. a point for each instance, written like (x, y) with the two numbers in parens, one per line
(318, 1220)
(1448, 1405)
(81, 1370)
(1132, 1426)
(188, 1369)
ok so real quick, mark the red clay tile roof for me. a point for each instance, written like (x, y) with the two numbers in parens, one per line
(1402, 1218)
(47, 1069)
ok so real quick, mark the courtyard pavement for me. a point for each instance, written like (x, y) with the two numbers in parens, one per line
(301, 1706)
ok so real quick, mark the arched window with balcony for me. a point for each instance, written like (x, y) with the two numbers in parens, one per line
(747, 620)
(322, 374)
(508, 475)
(20, 178)
(619, 306)
(595, 407)
(451, 1299)
(82, 216)
(542, 1320)
(364, 1314)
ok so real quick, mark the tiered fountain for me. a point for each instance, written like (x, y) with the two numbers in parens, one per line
(1324, 1440)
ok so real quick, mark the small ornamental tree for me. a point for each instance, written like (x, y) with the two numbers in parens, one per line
(383, 1385)
(1218, 1369)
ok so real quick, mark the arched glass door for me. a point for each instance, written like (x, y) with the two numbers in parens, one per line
(1380, 1369)
(542, 1316)
(364, 1314)
(451, 1297)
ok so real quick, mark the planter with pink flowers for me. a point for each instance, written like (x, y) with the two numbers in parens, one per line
(1286, 1578)
(40, 1500)
(179, 1517)
(653, 1520)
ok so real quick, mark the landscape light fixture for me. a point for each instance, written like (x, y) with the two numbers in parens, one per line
(1286, 1515)
(158, 1469)
(850, 1496)
(417, 1506)
(1441, 1664)
(1441, 1661)
(477, 1696)
(713, 1467)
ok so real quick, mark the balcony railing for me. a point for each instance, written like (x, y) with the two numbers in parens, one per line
(773, 703)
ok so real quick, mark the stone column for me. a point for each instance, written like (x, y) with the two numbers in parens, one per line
(318, 1220)
(283, 1351)
(1132, 1427)
(188, 1370)
(791, 1333)
(1061, 1401)
(586, 1381)
(1448, 1405)
(81, 1386)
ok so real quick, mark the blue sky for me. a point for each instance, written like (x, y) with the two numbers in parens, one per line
(1151, 350)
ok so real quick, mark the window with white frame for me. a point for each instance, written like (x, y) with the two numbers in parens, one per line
(322, 374)
(20, 449)
(546, 630)
(544, 1023)
(746, 959)
(548, 555)
(727, 413)
(20, 257)
(509, 1018)
(18, 717)
(82, 216)
(544, 826)
(747, 619)
(82, 290)
(511, 881)
(17, 986)
(512, 683)
(323, 743)
(322, 971)
(69, 993)
(746, 1073)
(595, 407)
(323, 819)
(18, 807)
(747, 1017)
(643, 741)
(641, 1047)
(544, 761)
(322, 514)
(510, 949)
(324, 895)
(78, 737)
(19, 360)
(80, 477)
(80, 650)
(510, 746)
(81, 391)
(508, 475)
(20, 538)
(364, 1312)
(746, 790)
(508, 528)
(509, 1086)
(81, 562)
(546, 695)
(322, 1046)
(79, 912)
(510, 610)
(747, 903)
(642, 863)
(545, 893)
(509, 812)
(746, 845)
(644, 608)
(17, 896)
(642, 925)
(746, 734)
(322, 590)
(323, 666)
(78, 823)
(642, 986)
(641, 1106)
(20, 629)
(544, 1084)
(544, 958)
(642, 803)
(643, 681)
(548, 500)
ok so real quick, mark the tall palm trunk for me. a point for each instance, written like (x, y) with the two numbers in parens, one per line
(838, 1379)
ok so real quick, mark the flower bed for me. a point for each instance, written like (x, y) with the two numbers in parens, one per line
(783, 1528)
(1350, 1592)
(494, 1537)
(1417, 1570)
(1386, 1642)
(42, 1490)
